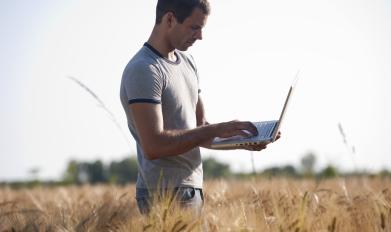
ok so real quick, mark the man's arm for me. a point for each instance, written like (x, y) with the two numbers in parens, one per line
(200, 113)
(201, 121)
(158, 143)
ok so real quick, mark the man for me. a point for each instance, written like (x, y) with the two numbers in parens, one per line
(165, 113)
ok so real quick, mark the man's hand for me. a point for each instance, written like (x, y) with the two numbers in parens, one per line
(278, 136)
(232, 128)
(260, 147)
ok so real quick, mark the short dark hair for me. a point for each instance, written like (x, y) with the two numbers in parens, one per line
(181, 8)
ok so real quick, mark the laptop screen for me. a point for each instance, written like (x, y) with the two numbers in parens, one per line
(286, 104)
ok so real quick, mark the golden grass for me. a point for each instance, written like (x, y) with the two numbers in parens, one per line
(358, 204)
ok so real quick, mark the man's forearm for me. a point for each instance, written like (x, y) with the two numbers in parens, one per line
(176, 142)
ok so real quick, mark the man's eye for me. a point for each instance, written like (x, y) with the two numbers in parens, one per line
(194, 28)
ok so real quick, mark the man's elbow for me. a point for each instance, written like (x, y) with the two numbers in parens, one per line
(158, 152)
(151, 153)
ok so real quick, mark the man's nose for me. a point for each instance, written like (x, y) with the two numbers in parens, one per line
(198, 35)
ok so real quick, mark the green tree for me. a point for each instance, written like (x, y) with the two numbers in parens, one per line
(287, 170)
(71, 173)
(96, 172)
(214, 169)
(85, 172)
(124, 171)
(329, 172)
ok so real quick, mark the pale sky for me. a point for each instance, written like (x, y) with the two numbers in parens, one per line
(249, 55)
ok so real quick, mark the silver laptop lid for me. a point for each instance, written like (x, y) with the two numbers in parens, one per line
(285, 105)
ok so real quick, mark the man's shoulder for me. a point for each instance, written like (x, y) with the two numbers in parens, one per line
(142, 61)
(143, 57)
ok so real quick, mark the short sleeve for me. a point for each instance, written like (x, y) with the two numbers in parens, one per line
(143, 84)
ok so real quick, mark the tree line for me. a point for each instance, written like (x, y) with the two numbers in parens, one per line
(126, 170)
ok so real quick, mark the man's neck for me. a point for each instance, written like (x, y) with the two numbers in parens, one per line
(161, 45)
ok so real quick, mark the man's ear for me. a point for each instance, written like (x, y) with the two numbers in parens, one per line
(170, 19)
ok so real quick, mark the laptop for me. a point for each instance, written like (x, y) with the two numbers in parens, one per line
(267, 130)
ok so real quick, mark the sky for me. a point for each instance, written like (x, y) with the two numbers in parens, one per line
(249, 55)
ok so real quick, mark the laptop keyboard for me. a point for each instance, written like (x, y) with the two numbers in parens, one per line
(265, 128)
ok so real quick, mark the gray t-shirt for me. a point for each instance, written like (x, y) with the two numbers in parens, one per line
(151, 78)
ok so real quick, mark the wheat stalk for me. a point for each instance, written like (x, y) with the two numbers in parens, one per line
(104, 107)
(350, 148)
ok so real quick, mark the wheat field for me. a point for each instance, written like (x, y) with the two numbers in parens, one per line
(281, 204)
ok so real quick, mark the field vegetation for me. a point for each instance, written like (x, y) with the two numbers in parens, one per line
(254, 204)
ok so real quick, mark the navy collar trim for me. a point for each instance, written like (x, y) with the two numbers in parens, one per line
(146, 44)
(156, 52)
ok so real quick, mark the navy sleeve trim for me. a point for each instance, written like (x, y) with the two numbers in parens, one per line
(144, 100)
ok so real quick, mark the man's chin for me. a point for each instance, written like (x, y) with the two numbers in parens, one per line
(183, 49)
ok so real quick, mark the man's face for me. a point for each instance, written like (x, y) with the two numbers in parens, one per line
(183, 35)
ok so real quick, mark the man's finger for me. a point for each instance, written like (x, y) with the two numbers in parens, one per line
(278, 135)
(255, 147)
(251, 128)
(245, 133)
